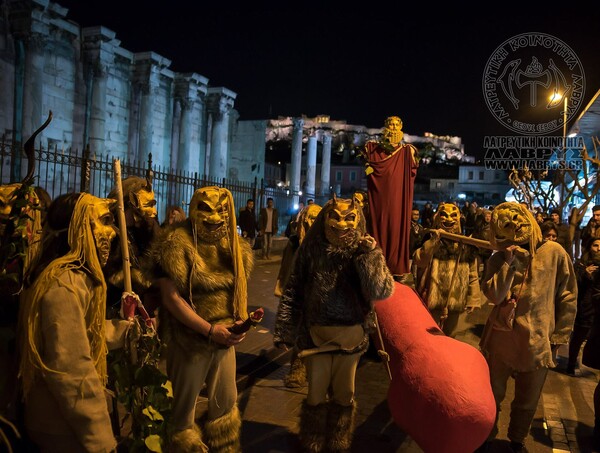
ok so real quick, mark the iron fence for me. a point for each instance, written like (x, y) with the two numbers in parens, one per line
(64, 171)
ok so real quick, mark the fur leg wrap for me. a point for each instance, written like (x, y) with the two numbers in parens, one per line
(188, 440)
(223, 433)
(313, 427)
(340, 425)
(297, 375)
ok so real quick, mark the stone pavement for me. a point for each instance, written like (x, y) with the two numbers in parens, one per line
(270, 411)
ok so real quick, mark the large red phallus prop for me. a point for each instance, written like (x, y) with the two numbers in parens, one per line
(440, 393)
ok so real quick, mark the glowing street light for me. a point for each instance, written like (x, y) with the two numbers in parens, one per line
(554, 100)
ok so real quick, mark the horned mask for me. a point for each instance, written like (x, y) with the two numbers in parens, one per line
(342, 222)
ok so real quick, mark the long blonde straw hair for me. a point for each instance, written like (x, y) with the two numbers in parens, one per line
(81, 256)
(240, 291)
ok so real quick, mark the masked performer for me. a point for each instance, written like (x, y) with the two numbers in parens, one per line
(306, 217)
(537, 279)
(447, 273)
(338, 273)
(142, 226)
(22, 211)
(391, 168)
(201, 267)
(63, 333)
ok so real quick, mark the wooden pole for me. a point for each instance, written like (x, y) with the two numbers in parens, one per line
(122, 227)
(480, 243)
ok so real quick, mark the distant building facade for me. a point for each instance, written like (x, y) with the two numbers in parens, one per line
(120, 103)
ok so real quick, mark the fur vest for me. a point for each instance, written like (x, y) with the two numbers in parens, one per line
(441, 282)
(330, 286)
(203, 275)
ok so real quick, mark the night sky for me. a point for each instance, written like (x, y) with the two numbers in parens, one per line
(358, 64)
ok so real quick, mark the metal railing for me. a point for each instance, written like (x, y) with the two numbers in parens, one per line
(64, 171)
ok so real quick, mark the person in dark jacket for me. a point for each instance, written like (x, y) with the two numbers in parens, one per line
(591, 353)
(586, 269)
(417, 231)
(247, 222)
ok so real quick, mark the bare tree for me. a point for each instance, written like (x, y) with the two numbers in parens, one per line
(538, 187)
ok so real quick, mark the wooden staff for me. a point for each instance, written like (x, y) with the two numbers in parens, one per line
(479, 243)
(122, 227)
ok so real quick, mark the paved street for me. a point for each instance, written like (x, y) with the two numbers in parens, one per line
(563, 422)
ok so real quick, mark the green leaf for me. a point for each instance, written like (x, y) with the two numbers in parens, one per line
(169, 386)
(153, 443)
(152, 414)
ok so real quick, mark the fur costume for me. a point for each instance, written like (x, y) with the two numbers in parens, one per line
(297, 375)
(440, 283)
(323, 311)
(203, 275)
(313, 427)
(440, 287)
(330, 286)
(222, 434)
(447, 272)
(340, 422)
(188, 441)
(209, 265)
(142, 226)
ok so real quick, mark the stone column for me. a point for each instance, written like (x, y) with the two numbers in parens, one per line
(177, 108)
(296, 158)
(311, 166)
(189, 91)
(148, 93)
(33, 87)
(326, 165)
(185, 135)
(147, 76)
(219, 103)
(98, 55)
(97, 132)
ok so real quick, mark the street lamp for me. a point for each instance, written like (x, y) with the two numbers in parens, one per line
(555, 99)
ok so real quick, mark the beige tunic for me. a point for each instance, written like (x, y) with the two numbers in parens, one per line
(72, 402)
(545, 310)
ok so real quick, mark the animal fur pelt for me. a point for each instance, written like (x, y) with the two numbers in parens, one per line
(313, 427)
(340, 426)
(443, 285)
(203, 275)
(188, 441)
(223, 433)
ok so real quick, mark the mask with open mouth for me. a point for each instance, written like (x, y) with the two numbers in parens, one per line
(447, 218)
(512, 224)
(209, 213)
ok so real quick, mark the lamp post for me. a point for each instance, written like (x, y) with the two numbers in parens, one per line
(565, 125)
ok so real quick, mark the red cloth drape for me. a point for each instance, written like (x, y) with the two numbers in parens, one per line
(390, 190)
